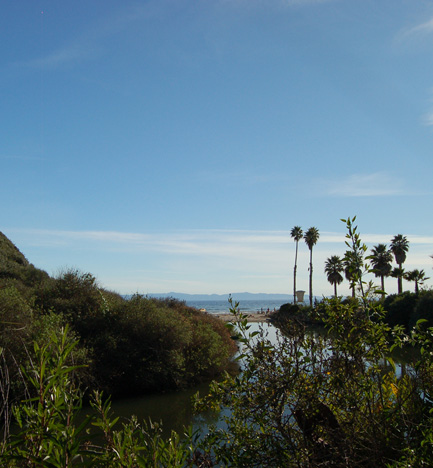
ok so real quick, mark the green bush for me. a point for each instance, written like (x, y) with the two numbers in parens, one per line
(148, 345)
(16, 320)
(73, 294)
(423, 310)
(131, 346)
(308, 401)
(293, 313)
(322, 400)
(334, 399)
(52, 432)
(400, 309)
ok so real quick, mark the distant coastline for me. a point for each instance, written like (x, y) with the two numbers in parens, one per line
(241, 296)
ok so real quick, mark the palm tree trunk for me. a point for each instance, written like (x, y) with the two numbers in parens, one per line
(294, 274)
(311, 278)
(400, 281)
(382, 285)
(335, 290)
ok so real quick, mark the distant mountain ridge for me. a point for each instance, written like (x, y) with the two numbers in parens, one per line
(242, 296)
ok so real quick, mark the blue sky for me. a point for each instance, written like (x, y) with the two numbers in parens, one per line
(172, 145)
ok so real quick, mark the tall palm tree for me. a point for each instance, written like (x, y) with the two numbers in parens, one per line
(333, 268)
(418, 277)
(381, 259)
(399, 247)
(296, 233)
(352, 263)
(311, 237)
(398, 273)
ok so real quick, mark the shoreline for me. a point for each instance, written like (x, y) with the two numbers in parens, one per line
(251, 317)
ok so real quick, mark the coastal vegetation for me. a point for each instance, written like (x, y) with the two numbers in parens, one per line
(334, 398)
(380, 264)
(329, 399)
(333, 268)
(399, 247)
(125, 346)
(381, 259)
(311, 237)
(296, 233)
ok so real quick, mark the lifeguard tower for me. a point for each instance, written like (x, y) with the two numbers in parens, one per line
(300, 296)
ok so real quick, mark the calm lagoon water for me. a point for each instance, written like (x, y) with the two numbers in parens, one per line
(174, 409)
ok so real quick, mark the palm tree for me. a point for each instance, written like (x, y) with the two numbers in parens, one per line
(381, 259)
(399, 247)
(296, 233)
(418, 277)
(311, 237)
(352, 268)
(398, 273)
(333, 268)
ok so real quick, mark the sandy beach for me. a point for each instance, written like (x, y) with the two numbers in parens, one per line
(251, 317)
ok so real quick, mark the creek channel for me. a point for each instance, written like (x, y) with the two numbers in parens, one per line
(174, 409)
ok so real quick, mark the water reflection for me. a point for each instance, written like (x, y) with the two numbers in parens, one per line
(174, 409)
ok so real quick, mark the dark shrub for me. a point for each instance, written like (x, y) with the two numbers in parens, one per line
(15, 332)
(399, 308)
(146, 345)
(73, 294)
(423, 309)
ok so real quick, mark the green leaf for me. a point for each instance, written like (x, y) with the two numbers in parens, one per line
(391, 362)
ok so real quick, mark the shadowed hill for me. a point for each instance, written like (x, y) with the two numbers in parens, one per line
(10, 254)
(15, 266)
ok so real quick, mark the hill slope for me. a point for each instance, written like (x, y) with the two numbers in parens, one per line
(12, 261)
(15, 267)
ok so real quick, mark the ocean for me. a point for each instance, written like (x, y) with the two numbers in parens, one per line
(222, 306)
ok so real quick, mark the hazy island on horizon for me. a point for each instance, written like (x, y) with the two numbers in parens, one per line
(240, 296)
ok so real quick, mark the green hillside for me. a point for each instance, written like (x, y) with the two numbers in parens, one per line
(127, 346)
(10, 254)
(15, 268)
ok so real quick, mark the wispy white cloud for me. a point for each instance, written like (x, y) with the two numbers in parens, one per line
(195, 242)
(199, 260)
(428, 119)
(417, 30)
(363, 185)
(191, 240)
(70, 54)
(89, 44)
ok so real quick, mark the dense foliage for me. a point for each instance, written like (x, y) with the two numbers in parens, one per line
(129, 346)
(309, 400)
(332, 399)
(51, 431)
(329, 399)
(408, 308)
